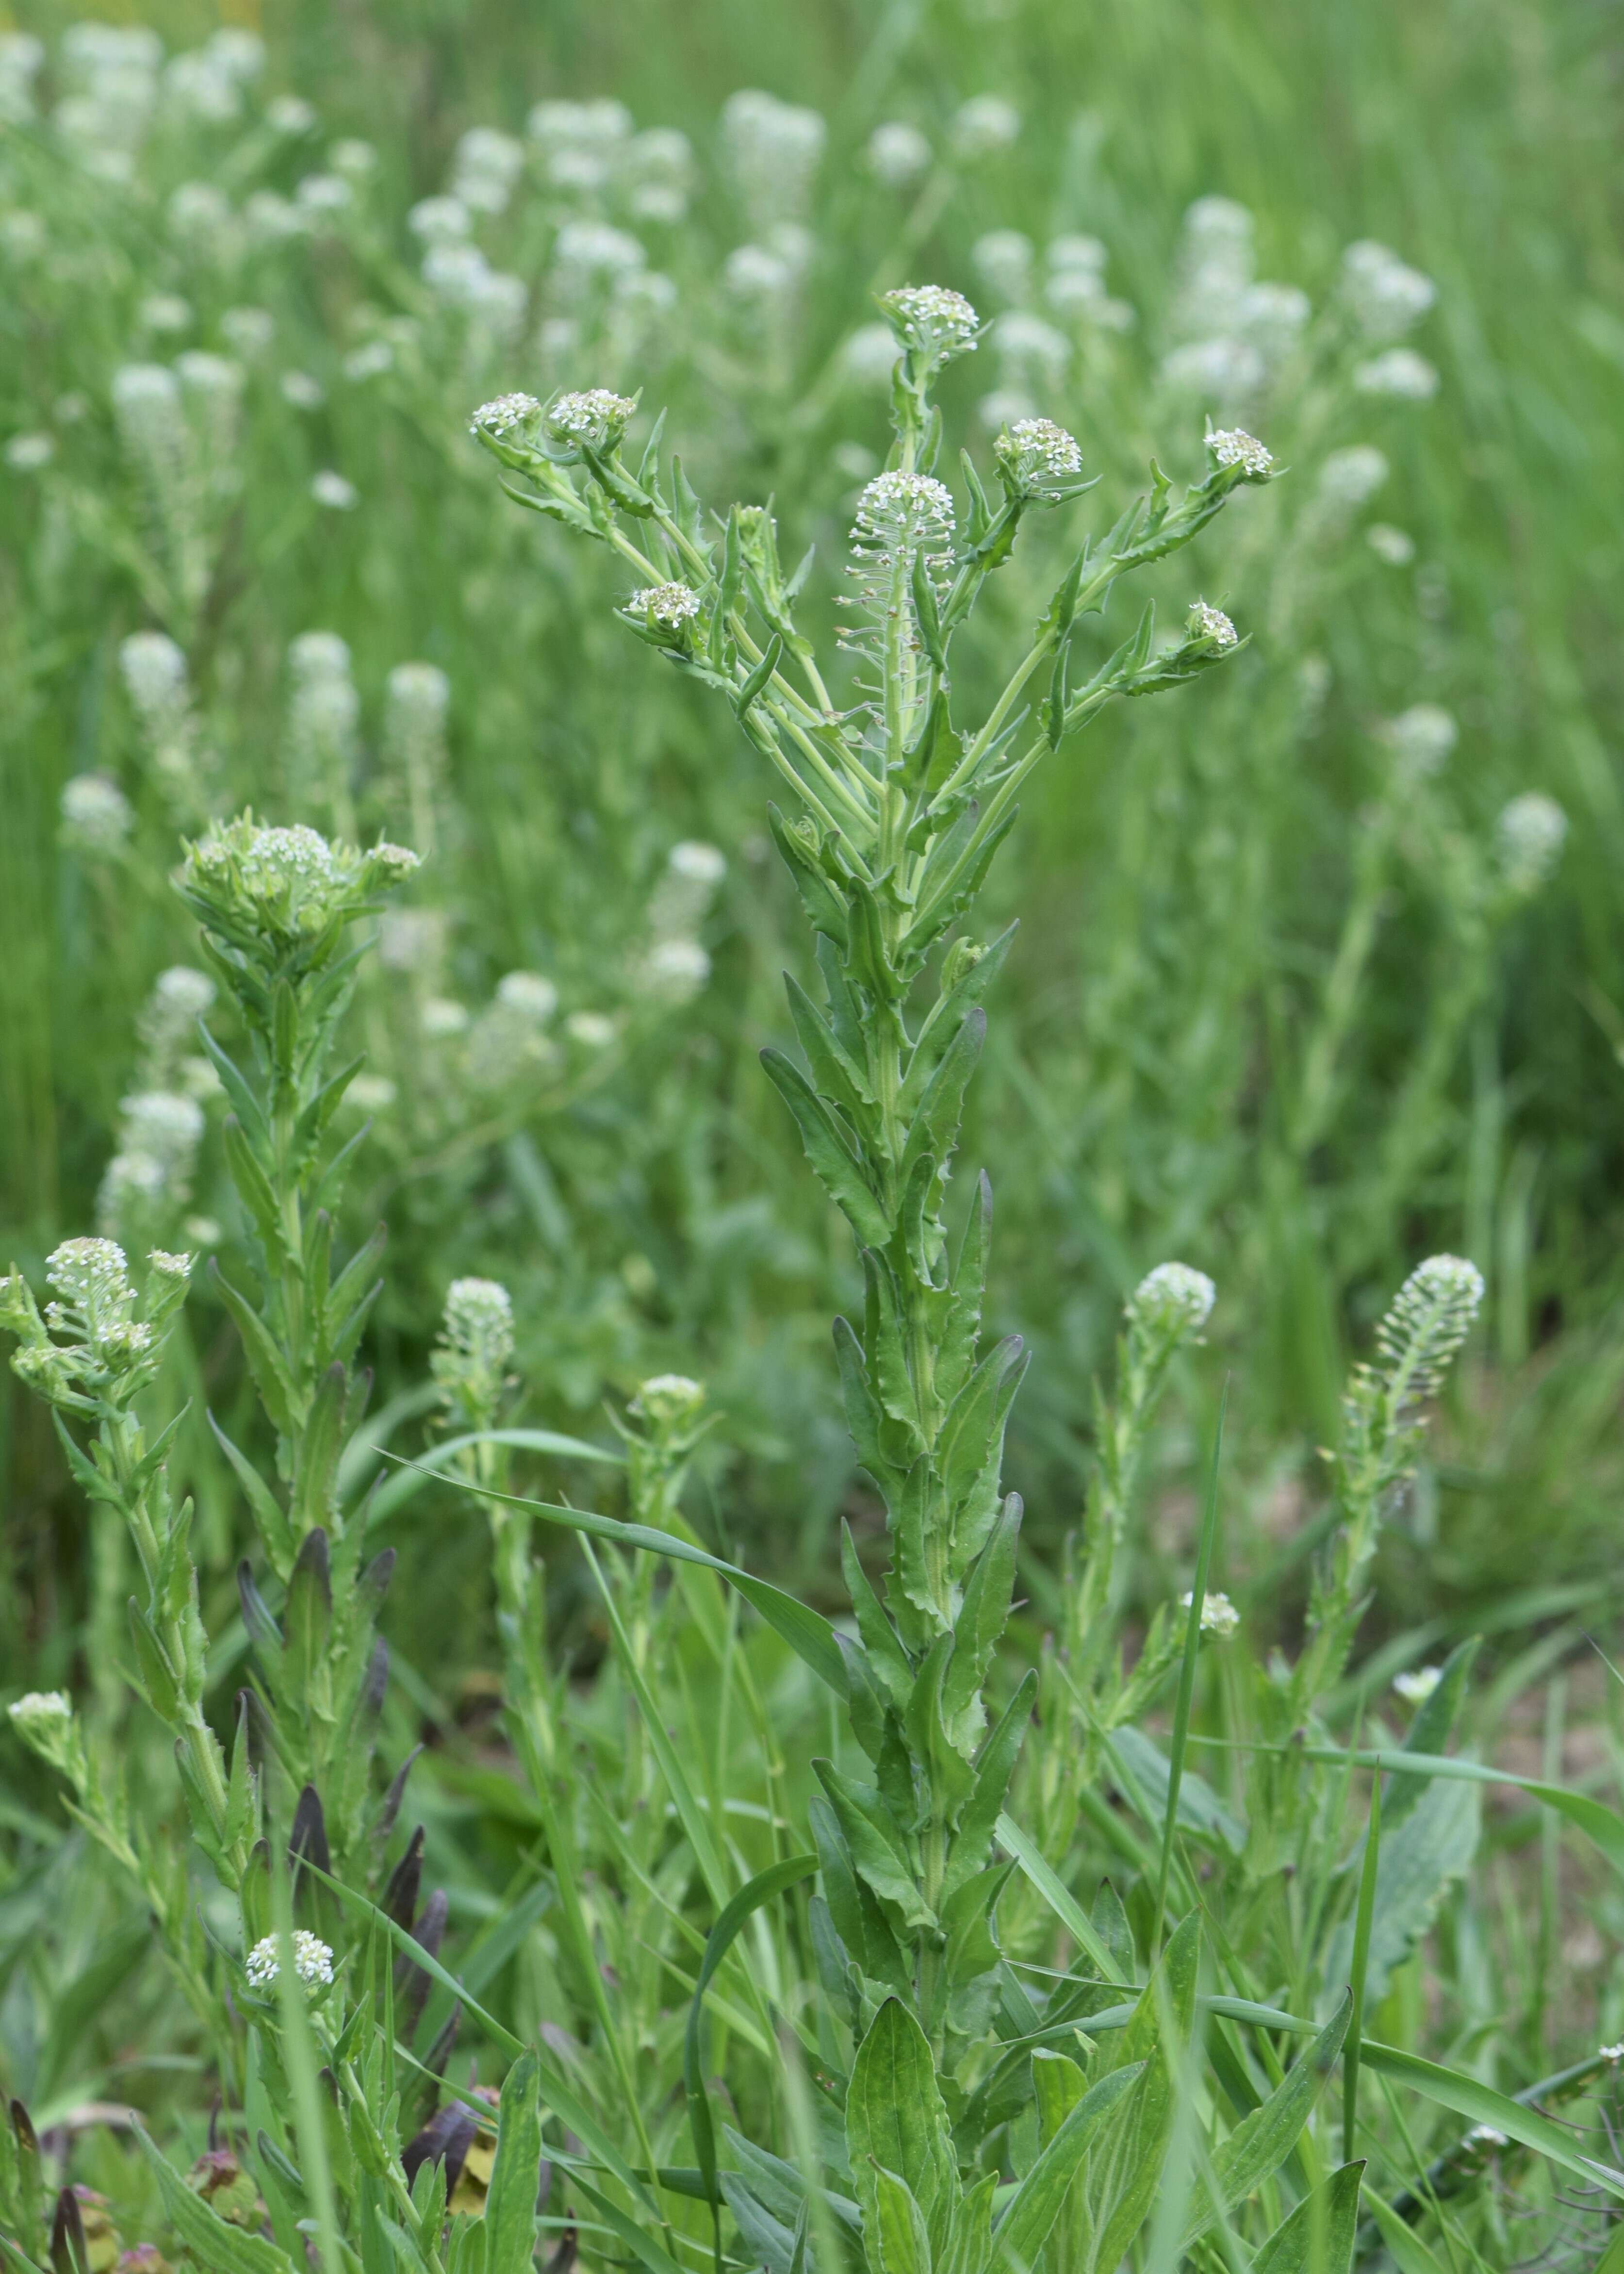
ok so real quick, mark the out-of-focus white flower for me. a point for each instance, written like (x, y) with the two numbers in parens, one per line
(443, 1017)
(1421, 739)
(1395, 546)
(1030, 351)
(1219, 1617)
(775, 149)
(41, 1709)
(488, 165)
(869, 356)
(356, 160)
(330, 489)
(1348, 477)
(1531, 832)
(1273, 319)
(528, 994)
(1400, 373)
(669, 1401)
(985, 123)
(164, 312)
(898, 152)
(319, 196)
(290, 115)
(312, 1960)
(1386, 297)
(1426, 1324)
(96, 815)
(753, 273)
(1223, 370)
(439, 221)
(270, 218)
(676, 968)
(1416, 1684)
(248, 332)
(301, 390)
(370, 1094)
(591, 1028)
(1003, 261)
(369, 361)
(26, 453)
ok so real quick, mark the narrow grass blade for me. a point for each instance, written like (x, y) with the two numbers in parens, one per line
(1186, 1672)
(809, 1636)
(1482, 2104)
(1048, 1884)
(1361, 1961)
(762, 1889)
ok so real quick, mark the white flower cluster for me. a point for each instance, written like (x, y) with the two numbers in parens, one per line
(1219, 1617)
(1173, 1299)
(506, 415)
(1421, 739)
(1235, 336)
(1531, 832)
(288, 883)
(39, 1711)
(1387, 298)
(96, 815)
(1232, 446)
(932, 320)
(312, 1960)
(1037, 451)
(594, 417)
(1207, 622)
(472, 1359)
(669, 1400)
(1399, 373)
(775, 149)
(898, 154)
(671, 605)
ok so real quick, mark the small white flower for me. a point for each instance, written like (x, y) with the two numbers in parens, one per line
(312, 1960)
(528, 994)
(370, 1092)
(331, 489)
(248, 332)
(869, 356)
(1400, 373)
(1421, 739)
(290, 115)
(985, 123)
(697, 862)
(96, 815)
(164, 311)
(1207, 622)
(1395, 546)
(1603, 2052)
(301, 390)
(913, 501)
(1002, 260)
(42, 1709)
(591, 1028)
(370, 361)
(26, 453)
(1416, 1683)
(1219, 1616)
(1038, 451)
(1531, 832)
(671, 605)
(322, 195)
(439, 221)
(442, 1016)
(1351, 476)
(898, 152)
(1386, 297)
(677, 968)
(669, 1399)
(478, 1331)
(352, 158)
(1486, 2135)
(1232, 446)
(1174, 1298)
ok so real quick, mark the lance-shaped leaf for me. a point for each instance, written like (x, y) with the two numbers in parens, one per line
(1262, 2142)
(1319, 2236)
(886, 1654)
(878, 1848)
(995, 1765)
(836, 1074)
(1124, 2176)
(895, 2122)
(982, 1616)
(272, 1379)
(934, 1130)
(1038, 2202)
(510, 2203)
(830, 1149)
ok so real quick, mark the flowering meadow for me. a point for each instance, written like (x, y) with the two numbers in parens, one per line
(812, 1012)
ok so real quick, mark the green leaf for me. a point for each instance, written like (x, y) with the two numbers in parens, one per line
(272, 1379)
(1038, 2202)
(835, 1074)
(1432, 1847)
(831, 1150)
(886, 1654)
(1123, 2180)
(1411, 2256)
(510, 2203)
(1363, 1914)
(895, 2232)
(1260, 2143)
(995, 1765)
(750, 1898)
(895, 2122)
(266, 1510)
(1434, 1726)
(1480, 2104)
(982, 1616)
(879, 1852)
(1060, 1900)
(755, 684)
(934, 1132)
(222, 2248)
(1319, 2236)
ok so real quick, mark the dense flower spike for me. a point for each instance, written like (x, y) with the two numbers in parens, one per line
(932, 320)
(1173, 1299)
(1219, 1617)
(1233, 446)
(1209, 623)
(671, 605)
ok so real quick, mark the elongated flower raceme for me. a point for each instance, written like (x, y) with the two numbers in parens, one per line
(901, 518)
(1430, 1318)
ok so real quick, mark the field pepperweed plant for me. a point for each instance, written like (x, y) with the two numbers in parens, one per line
(445, 1829)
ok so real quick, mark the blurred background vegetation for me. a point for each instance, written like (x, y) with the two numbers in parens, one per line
(1270, 1011)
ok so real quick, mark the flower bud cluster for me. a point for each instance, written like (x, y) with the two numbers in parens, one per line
(1219, 1617)
(1430, 1318)
(271, 890)
(1040, 458)
(90, 1351)
(932, 322)
(471, 1360)
(1174, 1301)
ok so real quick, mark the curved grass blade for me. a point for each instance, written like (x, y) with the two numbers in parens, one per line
(1186, 1672)
(810, 1637)
(1361, 1961)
